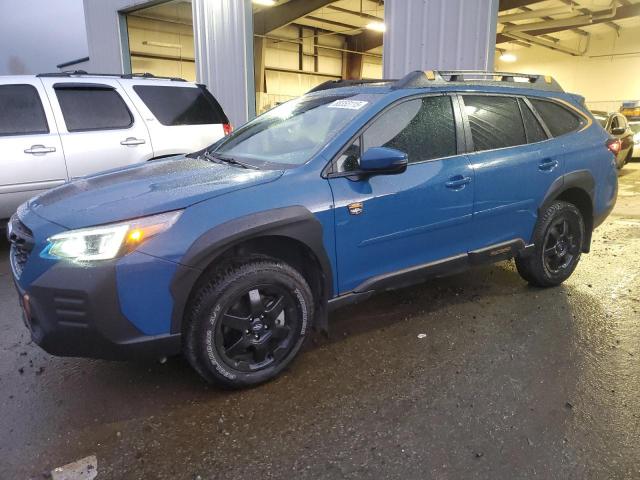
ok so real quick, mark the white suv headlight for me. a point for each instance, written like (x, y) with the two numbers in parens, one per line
(109, 241)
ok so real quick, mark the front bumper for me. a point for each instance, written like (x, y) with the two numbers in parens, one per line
(75, 311)
(116, 309)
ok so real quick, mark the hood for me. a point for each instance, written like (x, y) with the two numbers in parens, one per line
(146, 189)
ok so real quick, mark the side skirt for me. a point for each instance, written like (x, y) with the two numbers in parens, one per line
(440, 268)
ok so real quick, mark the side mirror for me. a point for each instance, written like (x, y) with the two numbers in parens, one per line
(618, 130)
(383, 160)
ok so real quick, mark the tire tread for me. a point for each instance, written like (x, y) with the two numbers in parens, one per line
(530, 268)
(220, 279)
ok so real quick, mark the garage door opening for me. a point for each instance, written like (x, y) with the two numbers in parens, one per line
(325, 40)
(161, 40)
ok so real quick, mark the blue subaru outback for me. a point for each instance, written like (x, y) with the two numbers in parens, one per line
(232, 254)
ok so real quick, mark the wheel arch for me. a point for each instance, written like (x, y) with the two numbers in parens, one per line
(577, 188)
(291, 234)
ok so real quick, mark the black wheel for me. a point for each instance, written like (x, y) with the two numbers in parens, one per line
(248, 323)
(558, 239)
(629, 156)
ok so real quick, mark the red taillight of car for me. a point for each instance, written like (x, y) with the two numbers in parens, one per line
(227, 128)
(614, 145)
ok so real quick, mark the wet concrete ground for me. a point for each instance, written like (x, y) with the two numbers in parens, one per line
(509, 382)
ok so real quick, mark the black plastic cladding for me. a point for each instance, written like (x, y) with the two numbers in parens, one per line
(580, 179)
(295, 222)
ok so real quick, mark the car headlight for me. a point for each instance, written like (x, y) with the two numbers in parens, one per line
(636, 138)
(108, 241)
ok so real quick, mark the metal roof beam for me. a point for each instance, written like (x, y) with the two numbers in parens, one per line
(621, 13)
(271, 19)
(509, 4)
(354, 12)
(568, 3)
(347, 27)
(365, 41)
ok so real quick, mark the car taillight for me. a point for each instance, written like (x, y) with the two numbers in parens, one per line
(227, 128)
(614, 145)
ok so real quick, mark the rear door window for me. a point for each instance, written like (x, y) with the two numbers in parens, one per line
(181, 105)
(495, 121)
(86, 108)
(21, 111)
(559, 120)
(533, 129)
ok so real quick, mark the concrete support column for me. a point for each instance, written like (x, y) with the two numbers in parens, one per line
(439, 34)
(223, 36)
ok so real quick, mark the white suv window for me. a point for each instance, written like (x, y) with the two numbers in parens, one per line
(181, 105)
(92, 107)
(21, 111)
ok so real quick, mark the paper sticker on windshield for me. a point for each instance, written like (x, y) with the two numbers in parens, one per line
(348, 104)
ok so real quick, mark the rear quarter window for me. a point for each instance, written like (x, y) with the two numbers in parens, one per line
(21, 111)
(181, 105)
(559, 120)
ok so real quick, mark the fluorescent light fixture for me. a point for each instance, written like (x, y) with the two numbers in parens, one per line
(266, 3)
(508, 57)
(377, 26)
(152, 43)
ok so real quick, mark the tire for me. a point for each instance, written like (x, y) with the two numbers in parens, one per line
(558, 239)
(629, 156)
(248, 322)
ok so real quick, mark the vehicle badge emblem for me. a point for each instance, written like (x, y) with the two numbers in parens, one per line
(355, 208)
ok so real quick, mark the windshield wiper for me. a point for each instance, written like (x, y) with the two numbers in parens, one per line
(218, 159)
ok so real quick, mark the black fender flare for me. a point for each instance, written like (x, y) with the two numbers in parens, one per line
(295, 222)
(581, 179)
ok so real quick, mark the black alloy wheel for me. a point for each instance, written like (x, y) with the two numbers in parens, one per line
(557, 245)
(560, 246)
(257, 328)
(247, 322)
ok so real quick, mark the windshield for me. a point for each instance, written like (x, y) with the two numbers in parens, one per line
(290, 134)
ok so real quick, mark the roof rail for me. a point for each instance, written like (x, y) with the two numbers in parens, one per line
(75, 73)
(429, 78)
(347, 83)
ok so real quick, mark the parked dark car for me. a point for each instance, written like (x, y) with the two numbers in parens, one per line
(618, 126)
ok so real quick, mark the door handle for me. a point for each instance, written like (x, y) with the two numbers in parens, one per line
(458, 182)
(132, 141)
(547, 165)
(39, 150)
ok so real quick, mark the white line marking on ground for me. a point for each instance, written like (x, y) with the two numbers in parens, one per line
(83, 469)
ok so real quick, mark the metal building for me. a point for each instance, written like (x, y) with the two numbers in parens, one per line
(295, 43)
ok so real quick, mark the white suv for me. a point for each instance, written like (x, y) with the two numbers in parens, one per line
(59, 126)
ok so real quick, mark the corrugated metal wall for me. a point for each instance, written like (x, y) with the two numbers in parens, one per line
(439, 34)
(223, 35)
(103, 34)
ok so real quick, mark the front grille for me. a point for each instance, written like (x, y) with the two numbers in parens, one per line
(21, 239)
